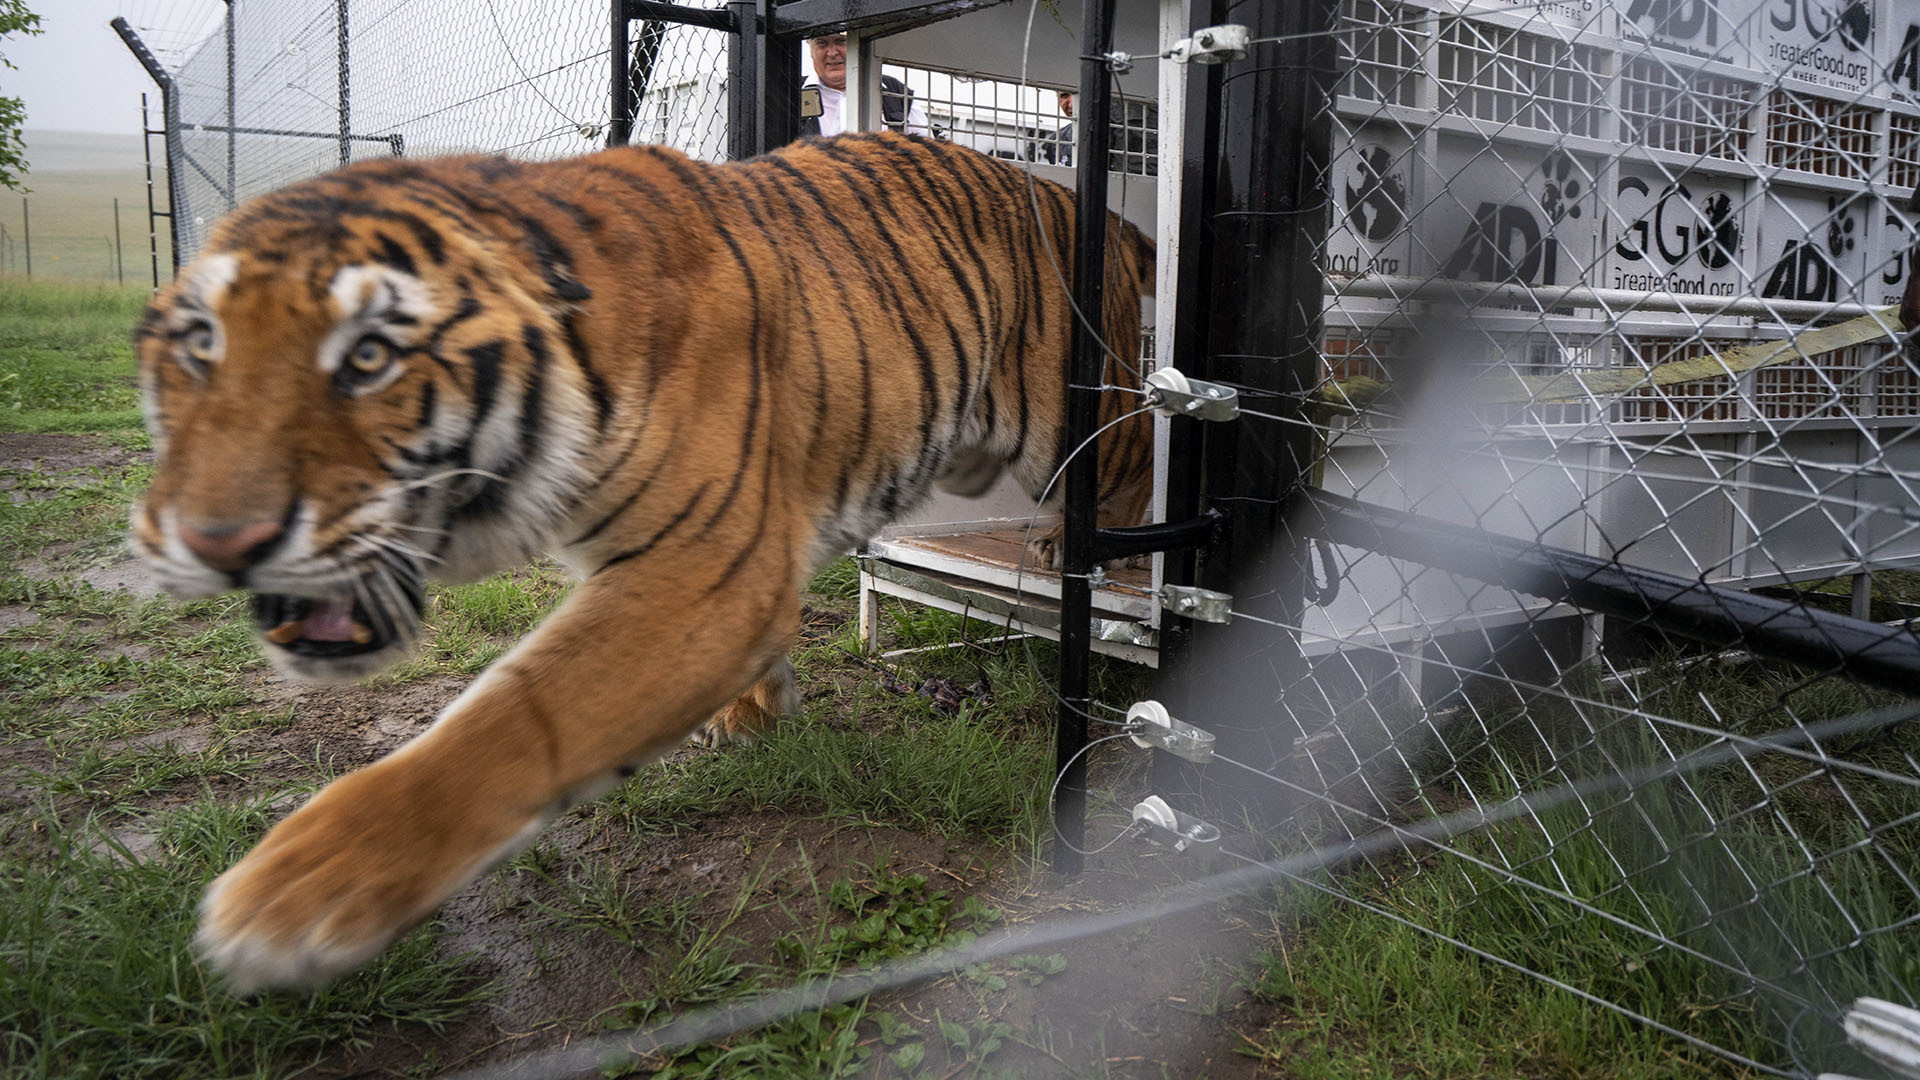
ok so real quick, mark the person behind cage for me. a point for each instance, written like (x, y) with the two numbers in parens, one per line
(1060, 148)
(1133, 133)
(897, 109)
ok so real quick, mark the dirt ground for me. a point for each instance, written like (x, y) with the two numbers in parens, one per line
(1161, 1000)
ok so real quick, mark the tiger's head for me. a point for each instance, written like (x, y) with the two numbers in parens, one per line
(363, 381)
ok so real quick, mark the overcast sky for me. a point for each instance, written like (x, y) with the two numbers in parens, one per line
(78, 76)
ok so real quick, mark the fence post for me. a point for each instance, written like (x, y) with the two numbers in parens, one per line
(1081, 479)
(119, 259)
(26, 230)
(620, 109)
(233, 190)
(1264, 210)
(763, 82)
(346, 82)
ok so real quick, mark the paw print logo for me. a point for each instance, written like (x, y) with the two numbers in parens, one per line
(1717, 237)
(1856, 25)
(1376, 198)
(1560, 199)
(1840, 239)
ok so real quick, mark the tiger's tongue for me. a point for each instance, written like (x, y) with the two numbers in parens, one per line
(330, 620)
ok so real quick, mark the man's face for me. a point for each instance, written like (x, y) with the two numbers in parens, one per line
(830, 60)
(1066, 104)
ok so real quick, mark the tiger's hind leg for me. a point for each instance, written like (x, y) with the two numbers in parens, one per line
(754, 713)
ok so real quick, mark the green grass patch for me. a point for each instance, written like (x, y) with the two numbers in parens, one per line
(98, 979)
(66, 357)
(471, 626)
(1729, 906)
(958, 774)
(120, 665)
(70, 518)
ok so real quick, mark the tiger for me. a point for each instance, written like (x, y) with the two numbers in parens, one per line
(692, 384)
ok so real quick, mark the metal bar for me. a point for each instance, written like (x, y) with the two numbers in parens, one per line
(812, 18)
(1267, 216)
(763, 83)
(620, 107)
(169, 123)
(26, 228)
(743, 87)
(233, 116)
(1547, 297)
(1194, 532)
(1187, 348)
(1889, 656)
(141, 53)
(1082, 476)
(146, 151)
(346, 82)
(291, 133)
(711, 18)
(119, 258)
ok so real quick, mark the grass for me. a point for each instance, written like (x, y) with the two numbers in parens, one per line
(97, 976)
(66, 357)
(1760, 869)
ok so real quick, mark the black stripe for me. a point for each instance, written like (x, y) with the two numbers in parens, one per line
(427, 394)
(533, 401)
(596, 383)
(394, 255)
(484, 362)
(654, 540)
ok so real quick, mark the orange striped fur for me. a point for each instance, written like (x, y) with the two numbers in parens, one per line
(690, 383)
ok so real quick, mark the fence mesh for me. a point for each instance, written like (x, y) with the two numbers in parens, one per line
(308, 85)
(1553, 228)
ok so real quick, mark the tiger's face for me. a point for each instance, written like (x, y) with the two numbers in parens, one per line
(335, 422)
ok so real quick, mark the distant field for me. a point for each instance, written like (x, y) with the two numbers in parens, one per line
(74, 180)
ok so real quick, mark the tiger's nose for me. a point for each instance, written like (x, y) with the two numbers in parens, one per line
(232, 548)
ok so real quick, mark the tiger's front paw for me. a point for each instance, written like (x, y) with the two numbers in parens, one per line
(346, 875)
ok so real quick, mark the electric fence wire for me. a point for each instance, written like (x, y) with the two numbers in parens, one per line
(707, 1025)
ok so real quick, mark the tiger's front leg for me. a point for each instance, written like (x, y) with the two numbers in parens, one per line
(615, 678)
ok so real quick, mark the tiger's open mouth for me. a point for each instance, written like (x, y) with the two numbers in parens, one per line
(333, 627)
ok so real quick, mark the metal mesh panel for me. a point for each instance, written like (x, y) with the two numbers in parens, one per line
(1565, 243)
(318, 83)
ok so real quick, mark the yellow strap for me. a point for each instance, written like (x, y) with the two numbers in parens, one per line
(1506, 387)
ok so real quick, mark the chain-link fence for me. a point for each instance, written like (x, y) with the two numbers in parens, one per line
(285, 89)
(1609, 458)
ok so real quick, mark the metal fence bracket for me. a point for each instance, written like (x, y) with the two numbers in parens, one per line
(1204, 605)
(1171, 393)
(1214, 45)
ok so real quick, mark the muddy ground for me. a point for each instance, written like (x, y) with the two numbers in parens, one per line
(1160, 1000)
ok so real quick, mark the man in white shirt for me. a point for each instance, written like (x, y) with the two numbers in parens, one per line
(897, 109)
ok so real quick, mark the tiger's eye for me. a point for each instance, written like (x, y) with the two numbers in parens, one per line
(370, 356)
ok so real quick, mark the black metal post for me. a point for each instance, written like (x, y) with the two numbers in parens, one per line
(26, 230)
(170, 127)
(763, 83)
(233, 118)
(346, 83)
(153, 214)
(119, 259)
(1081, 480)
(620, 108)
(1266, 216)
